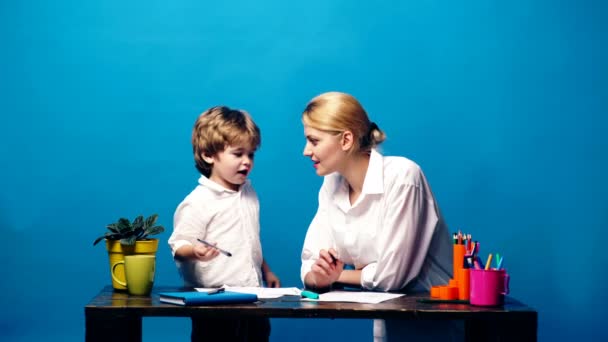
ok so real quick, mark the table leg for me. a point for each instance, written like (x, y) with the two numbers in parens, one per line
(112, 327)
(516, 330)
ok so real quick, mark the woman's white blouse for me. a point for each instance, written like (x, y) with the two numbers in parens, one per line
(393, 233)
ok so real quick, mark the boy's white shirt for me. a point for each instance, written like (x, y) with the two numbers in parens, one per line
(228, 218)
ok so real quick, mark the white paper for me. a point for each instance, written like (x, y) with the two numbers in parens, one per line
(367, 297)
(265, 292)
(205, 289)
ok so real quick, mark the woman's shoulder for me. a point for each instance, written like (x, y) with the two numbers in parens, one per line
(402, 165)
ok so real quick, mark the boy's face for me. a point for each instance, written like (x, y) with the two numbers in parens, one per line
(231, 167)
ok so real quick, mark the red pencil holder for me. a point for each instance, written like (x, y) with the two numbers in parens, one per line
(488, 287)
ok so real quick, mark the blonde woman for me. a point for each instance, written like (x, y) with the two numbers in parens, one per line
(375, 213)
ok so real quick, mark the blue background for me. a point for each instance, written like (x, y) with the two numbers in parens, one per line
(503, 104)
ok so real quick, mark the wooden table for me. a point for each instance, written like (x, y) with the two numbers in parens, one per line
(116, 316)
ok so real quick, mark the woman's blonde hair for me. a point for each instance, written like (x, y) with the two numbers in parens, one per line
(339, 112)
(220, 127)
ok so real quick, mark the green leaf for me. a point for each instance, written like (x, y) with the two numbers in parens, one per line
(109, 236)
(113, 227)
(155, 230)
(138, 223)
(130, 241)
(151, 220)
(98, 239)
(139, 232)
(124, 224)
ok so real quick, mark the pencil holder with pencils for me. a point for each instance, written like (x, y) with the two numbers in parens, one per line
(458, 271)
(489, 287)
(491, 283)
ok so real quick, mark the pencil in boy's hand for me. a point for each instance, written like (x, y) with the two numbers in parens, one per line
(226, 253)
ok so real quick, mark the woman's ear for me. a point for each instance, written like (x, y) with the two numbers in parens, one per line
(207, 158)
(347, 141)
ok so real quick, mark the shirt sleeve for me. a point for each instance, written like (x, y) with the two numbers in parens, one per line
(318, 235)
(409, 222)
(189, 223)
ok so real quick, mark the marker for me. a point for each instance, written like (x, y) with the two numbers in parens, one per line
(226, 253)
(468, 261)
(309, 294)
(488, 262)
(499, 266)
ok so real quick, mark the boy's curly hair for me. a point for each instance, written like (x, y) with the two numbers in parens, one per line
(219, 127)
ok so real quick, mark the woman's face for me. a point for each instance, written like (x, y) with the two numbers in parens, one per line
(324, 149)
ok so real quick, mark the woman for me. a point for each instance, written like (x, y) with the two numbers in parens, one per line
(375, 213)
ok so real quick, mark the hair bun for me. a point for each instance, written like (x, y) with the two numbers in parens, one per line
(372, 127)
(376, 136)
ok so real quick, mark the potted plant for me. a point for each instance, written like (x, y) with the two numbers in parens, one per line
(127, 238)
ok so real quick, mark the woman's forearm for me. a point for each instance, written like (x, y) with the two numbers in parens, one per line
(347, 277)
(350, 277)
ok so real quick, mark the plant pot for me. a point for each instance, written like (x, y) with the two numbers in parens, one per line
(117, 252)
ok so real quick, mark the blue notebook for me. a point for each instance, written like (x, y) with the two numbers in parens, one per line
(203, 298)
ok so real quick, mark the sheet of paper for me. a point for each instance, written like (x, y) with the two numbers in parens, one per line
(265, 292)
(367, 297)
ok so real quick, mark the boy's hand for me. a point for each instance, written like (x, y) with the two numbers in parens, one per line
(271, 279)
(204, 253)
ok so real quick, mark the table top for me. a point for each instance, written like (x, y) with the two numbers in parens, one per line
(109, 301)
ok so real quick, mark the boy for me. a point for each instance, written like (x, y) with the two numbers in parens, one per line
(222, 210)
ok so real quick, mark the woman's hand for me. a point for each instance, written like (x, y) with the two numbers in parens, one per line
(327, 269)
(271, 279)
(204, 253)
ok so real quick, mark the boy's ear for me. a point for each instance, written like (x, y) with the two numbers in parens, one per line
(347, 141)
(207, 158)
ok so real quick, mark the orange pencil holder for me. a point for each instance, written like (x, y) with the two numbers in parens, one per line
(448, 292)
(458, 259)
(464, 284)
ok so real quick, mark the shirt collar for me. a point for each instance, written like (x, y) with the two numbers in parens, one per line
(208, 183)
(374, 177)
(372, 184)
